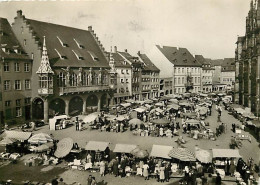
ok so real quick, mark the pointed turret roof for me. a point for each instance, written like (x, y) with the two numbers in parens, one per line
(45, 67)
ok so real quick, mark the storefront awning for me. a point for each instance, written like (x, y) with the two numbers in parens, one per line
(161, 151)
(124, 148)
(226, 153)
(96, 145)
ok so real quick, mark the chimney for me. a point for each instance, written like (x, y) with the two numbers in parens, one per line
(126, 50)
(139, 53)
(19, 13)
(90, 28)
(115, 49)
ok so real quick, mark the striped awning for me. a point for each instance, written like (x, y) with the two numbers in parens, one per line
(182, 154)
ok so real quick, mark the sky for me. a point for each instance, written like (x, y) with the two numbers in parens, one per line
(205, 27)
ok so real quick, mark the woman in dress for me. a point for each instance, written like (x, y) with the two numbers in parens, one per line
(162, 175)
(102, 168)
(161, 132)
(145, 171)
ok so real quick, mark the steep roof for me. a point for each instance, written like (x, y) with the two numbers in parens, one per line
(130, 58)
(148, 64)
(10, 42)
(215, 62)
(206, 65)
(77, 47)
(179, 56)
(120, 61)
(228, 65)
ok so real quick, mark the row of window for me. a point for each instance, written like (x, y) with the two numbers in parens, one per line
(207, 77)
(122, 80)
(206, 71)
(168, 83)
(17, 67)
(184, 70)
(135, 79)
(122, 90)
(17, 102)
(124, 71)
(84, 79)
(182, 80)
(17, 85)
(135, 89)
(228, 80)
(182, 90)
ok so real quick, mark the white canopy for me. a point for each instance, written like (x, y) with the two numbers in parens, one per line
(228, 153)
(124, 148)
(96, 145)
(91, 117)
(140, 110)
(126, 104)
(161, 151)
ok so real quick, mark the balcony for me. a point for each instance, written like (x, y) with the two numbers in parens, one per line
(67, 90)
(45, 91)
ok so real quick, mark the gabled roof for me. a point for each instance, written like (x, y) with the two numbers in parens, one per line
(179, 56)
(120, 61)
(206, 65)
(228, 65)
(133, 60)
(148, 64)
(215, 62)
(79, 47)
(10, 42)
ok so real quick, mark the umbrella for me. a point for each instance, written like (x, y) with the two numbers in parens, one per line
(40, 138)
(159, 104)
(148, 101)
(173, 106)
(161, 121)
(64, 147)
(182, 154)
(203, 156)
(43, 148)
(139, 153)
(7, 141)
(186, 104)
(193, 121)
(135, 121)
(91, 117)
(120, 118)
(130, 101)
(174, 100)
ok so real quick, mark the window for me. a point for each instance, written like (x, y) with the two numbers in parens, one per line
(73, 79)
(126, 80)
(122, 71)
(18, 102)
(17, 85)
(62, 79)
(7, 85)
(179, 70)
(27, 100)
(127, 71)
(195, 79)
(18, 112)
(127, 89)
(6, 67)
(122, 80)
(16, 67)
(32, 55)
(183, 80)
(8, 103)
(27, 84)
(26, 67)
(179, 80)
(182, 70)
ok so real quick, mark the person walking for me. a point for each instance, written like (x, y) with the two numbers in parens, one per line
(115, 167)
(218, 179)
(89, 180)
(93, 182)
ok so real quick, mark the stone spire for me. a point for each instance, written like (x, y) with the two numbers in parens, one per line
(45, 67)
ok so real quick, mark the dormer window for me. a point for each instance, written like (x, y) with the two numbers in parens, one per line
(94, 57)
(16, 50)
(62, 43)
(60, 55)
(77, 54)
(78, 44)
(124, 62)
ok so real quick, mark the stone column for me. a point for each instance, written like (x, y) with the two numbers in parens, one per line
(84, 108)
(249, 83)
(46, 110)
(67, 107)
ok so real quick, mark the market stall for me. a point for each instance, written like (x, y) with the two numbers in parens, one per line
(161, 151)
(124, 148)
(182, 154)
(55, 121)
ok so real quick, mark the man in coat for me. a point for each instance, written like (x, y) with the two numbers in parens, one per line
(115, 167)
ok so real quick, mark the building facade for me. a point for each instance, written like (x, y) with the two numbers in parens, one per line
(150, 77)
(15, 77)
(136, 74)
(228, 73)
(206, 74)
(124, 77)
(82, 80)
(186, 70)
(248, 60)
